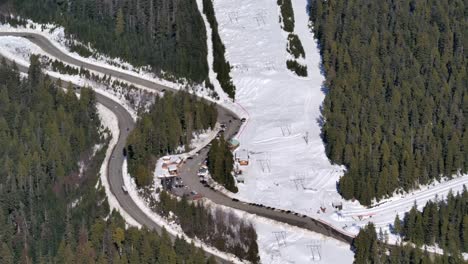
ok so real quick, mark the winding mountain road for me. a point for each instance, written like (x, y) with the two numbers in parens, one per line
(188, 172)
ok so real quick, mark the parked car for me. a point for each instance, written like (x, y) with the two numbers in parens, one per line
(124, 189)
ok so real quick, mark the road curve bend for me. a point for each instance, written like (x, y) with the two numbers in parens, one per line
(125, 121)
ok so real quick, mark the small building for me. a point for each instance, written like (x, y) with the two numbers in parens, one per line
(173, 169)
(176, 160)
(233, 143)
(167, 180)
(170, 160)
(242, 157)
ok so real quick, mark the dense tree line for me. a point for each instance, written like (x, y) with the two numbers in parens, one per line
(371, 248)
(220, 65)
(287, 15)
(294, 44)
(44, 132)
(443, 223)
(49, 212)
(169, 124)
(109, 241)
(295, 47)
(168, 35)
(221, 164)
(138, 99)
(297, 68)
(225, 231)
(396, 108)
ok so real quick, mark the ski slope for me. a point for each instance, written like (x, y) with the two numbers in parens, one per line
(282, 110)
(288, 168)
(20, 50)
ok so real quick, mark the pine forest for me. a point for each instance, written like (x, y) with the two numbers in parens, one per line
(168, 35)
(169, 124)
(396, 107)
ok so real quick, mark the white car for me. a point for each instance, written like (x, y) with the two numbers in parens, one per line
(124, 189)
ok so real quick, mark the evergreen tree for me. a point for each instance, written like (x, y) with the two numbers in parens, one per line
(46, 209)
(397, 225)
(221, 164)
(220, 65)
(119, 23)
(216, 227)
(396, 75)
(169, 124)
(168, 35)
(441, 223)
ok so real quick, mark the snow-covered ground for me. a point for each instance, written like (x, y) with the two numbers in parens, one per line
(288, 167)
(20, 50)
(283, 108)
(282, 243)
(171, 227)
(56, 36)
(110, 121)
(282, 111)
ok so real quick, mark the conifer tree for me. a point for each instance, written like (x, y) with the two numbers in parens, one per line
(119, 23)
(394, 109)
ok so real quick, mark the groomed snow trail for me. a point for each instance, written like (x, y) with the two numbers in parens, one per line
(284, 171)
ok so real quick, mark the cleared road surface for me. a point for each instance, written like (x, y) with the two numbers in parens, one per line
(189, 171)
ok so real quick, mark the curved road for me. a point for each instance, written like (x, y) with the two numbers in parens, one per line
(125, 121)
(189, 170)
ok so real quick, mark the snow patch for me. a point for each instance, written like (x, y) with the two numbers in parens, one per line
(171, 227)
(281, 243)
(109, 120)
(288, 167)
(20, 49)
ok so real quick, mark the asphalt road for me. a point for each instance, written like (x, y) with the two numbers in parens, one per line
(188, 172)
(125, 122)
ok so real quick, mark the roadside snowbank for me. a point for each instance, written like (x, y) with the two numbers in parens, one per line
(171, 227)
(109, 120)
(281, 243)
(20, 49)
(56, 36)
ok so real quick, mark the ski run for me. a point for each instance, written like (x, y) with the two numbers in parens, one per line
(288, 168)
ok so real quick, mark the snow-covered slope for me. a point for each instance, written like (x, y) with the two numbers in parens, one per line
(284, 109)
(288, 167)
(281, 109)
